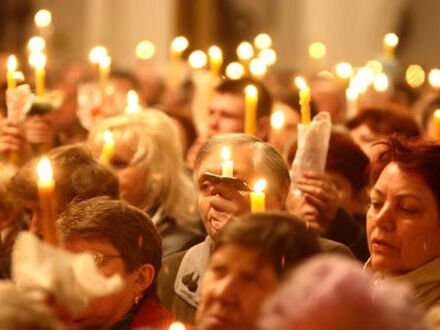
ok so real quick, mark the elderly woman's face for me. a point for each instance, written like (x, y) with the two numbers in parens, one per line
(403, 223)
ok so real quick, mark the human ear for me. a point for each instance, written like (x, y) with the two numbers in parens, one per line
(145, 276)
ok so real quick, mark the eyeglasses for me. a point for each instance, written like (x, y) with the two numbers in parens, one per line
(100, 258)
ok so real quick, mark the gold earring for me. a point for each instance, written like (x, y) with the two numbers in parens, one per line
(137, 297)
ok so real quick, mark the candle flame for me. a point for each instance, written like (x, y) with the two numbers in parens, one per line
(105, 62)
(37, 60)
(415, 76)
(145, 50)
(437, 113)
(18, 75)
(97, 54)
(215, 53)
(344, 70)
(234, 70)
(352, 94)
(277, 119)
(374, 66)
(251, 91)
(108, 137)
(179, 44)
(260, 185)
(44, 170)
(366, 75)
(381, 82)
(226, 154)
(391, 39)
(12, 63)
(317, 50)
(176, 326)
(434, 78)
(301, 83)
(132, 102)
(36, 44)
(257, 68)
(245, 51)
(43, 18)
(268, 56)
(197, 59)
(263, 41)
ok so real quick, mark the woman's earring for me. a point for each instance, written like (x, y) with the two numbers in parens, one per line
(136, 298)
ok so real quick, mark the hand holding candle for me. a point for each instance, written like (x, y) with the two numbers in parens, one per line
(46, 193)
(227, 164)
(108, 148)
(258, 197)
(251, 95)
(304, 99)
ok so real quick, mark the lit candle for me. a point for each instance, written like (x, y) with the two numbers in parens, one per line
(178, 46)
(317, 50)
(263, 41)
(436, 133)
(215, 59)
(257, 68)
(12, 66)
(258, 198)
(36, 44)
(352, 97)
(43, 18)
(344, 70)
(97, 54)
(227, 164)
(434, 78)
(277, 119)
(46, 189)
(38, 61)
(251, 96)
(245, 52)
(108, 148)
(197, 59)
(304, 99)
(390, 42)
(132, 102)
(104, 72)
(268, 56)
(415, 76)
(380, 82)
(234, 71)
(145, 50)
(177, 326)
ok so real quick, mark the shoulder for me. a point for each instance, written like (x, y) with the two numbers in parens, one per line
(152, 314)
(329, 246)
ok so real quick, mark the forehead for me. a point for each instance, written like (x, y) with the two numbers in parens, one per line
(94, 244)
(233, 104)
(238, 257)
(241, 156)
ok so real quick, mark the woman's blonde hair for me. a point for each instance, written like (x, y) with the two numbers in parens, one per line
(155, 142)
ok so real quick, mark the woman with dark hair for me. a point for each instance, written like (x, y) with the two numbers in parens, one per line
(403, 221)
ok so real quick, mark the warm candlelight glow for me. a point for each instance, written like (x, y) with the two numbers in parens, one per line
(251, 98)
(344, 70)
(179, 45)
(108, 148)
(132, 102)
(108, 137)
(352, 94)
(263, 41)
(260, 185)
(268, 56)
(381, 82)
(197, 59)
(434, 78)
(257, 68)
(12, 66)
(227, 164)
(366, 75)
(436, 132)
(234, 70)
(12, 63)
(215, 59)
(277, 119)
(97, 54)
(43, 18)
(145, 50)
(374, 66)
(359, 84)
(105, 62)
(36, 44)
(37, 60)
(317, 50)
(18, 75)
(300, 83)
(245, 51)
(415, 76)
(44, 170)
(177, 326)
(391, 39)
(258, 198)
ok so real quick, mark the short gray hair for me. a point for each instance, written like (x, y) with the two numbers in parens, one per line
(266, 159)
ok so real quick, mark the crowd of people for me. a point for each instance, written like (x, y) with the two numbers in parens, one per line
(356, 246)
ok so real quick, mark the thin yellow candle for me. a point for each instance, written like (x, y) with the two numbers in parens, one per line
(304, 99)
(36, 44)
(46, 193)
(251, 96)
(258, 197)
(12, 66)
(277, 120)
(38, 61)
(436, 132)
(245, 52)
(97, 54)
(104, 71)
(390, 42)
(108, 148)
(215, 59)
(178, 46)
(132, 102)
(177, 326)
(434, 78)
(227, 164)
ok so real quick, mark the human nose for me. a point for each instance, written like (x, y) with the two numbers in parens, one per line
(385, 218)
(226, 290)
